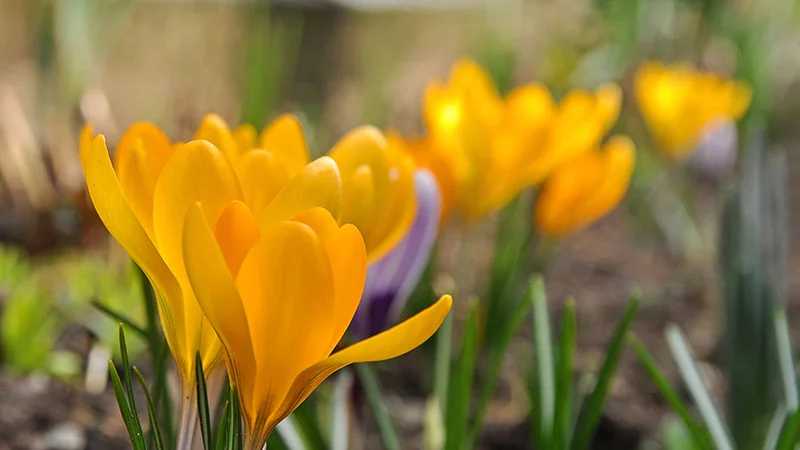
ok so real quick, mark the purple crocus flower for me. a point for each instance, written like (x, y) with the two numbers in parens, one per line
(391, 279)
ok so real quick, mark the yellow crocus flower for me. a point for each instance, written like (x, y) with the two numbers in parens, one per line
(143, 197)
(496, 146)
(679, 102)
(281, 297)
(585, 189)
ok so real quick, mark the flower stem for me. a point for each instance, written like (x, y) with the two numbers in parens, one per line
(188, 419)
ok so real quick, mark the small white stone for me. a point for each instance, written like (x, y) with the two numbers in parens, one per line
(65, 436)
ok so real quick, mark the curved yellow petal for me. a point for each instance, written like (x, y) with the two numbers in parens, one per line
(118, 216)
(284, 137)
(197, 172)
(138, 159)
(236, 232)
(395, 214)
(358, 197)
(318, 184)
(245, 136)
(348, 257)
(287, 290)
(216, 293)
(391, 343)
(214, 129)
(155, 143)
(261, 176)
(586, 189)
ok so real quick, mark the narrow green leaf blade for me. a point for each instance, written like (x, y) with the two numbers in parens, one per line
(496, 355)
(202, 403)
(151, 412)
(592, 409)
(691, 376)
(790, 433)
(562, 418)
(461, 389)
(375, 399)
(119, 317)
(126, 367)
(134, 433)
(543, 348)
(699, 434)
(784, 344)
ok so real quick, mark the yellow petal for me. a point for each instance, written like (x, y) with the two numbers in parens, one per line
(348, 257)
(197, 172)
(152, 140)
(261, 176)
(318, 184)
(347, 254)
(392, 343)
(216, 293)
(245, 136)
(118, 216)
(236, 232)
(287, 290)
(214, 129)
(284, 137)
(395, 215)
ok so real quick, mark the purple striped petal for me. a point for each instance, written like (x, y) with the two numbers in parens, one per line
(392, 279)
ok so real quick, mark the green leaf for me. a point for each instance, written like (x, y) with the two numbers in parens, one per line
(151, 412)
(784, 344)
(126, 367)
(562, 418)
(306, 418)
(202, 402)
(134, 432)
(221, 439)
(372, 390)
(543, 348)
(119, 317)
(461, 389)
(691, 376)
(790, 433)
(592, 408)
(496, 355)
(698, 433)
(234, 425)
(444, 343)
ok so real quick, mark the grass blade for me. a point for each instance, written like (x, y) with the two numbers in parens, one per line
(543, 348)
(790, 432)
(202, 402)
(305, 417)
(784, 344)
(593, 407)
(119, 317)
(461, 389)
(699, 433)
(126, 367)
(222, 430)
(444, 344)
(369, 381)
(134, 432)
(155, 429)
(691, 376)
(497, 353)
(562, 417)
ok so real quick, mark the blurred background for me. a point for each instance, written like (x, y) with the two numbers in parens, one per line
(340, 63)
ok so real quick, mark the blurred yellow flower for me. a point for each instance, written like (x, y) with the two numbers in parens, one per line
(495, 147)
(679, 103)
(250, 233)
(280, 298)
(585, 189)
